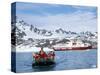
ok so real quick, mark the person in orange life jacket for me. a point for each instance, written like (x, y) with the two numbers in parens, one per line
(43, 54)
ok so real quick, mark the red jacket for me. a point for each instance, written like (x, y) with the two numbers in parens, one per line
(43, 55)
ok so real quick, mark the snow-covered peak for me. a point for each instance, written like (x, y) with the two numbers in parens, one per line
(27, 34)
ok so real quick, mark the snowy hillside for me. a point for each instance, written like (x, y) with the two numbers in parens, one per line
(31, 36)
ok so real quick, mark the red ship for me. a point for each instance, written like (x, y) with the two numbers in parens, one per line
(72, 45)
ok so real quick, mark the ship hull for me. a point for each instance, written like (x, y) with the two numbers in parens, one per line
(72, 48)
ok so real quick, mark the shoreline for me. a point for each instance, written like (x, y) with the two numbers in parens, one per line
(30, 50)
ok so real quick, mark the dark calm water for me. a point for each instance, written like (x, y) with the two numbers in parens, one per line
(65, 60)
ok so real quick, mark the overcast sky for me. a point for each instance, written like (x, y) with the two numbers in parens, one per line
(54, 16)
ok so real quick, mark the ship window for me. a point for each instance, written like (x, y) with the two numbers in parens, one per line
(74, 43)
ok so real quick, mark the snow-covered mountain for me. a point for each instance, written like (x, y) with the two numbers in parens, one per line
(25, 34)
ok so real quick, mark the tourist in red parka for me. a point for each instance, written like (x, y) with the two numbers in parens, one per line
(51, 55)
(37, 57)
(43, 54)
